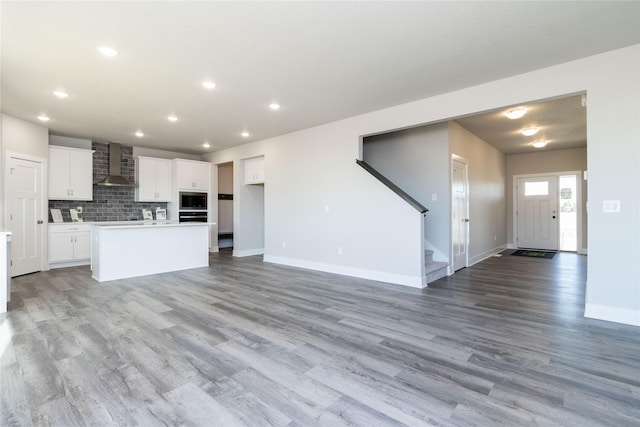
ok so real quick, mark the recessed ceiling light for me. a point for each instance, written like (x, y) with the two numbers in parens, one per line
(206, 145)
(539, 144)
(274, 106)
(43, 118)
(529, 131)
(139, 134)
(516, 113)
(60, 93)
(107, 51)
(172, 118)
(245, 134)
(208, 85)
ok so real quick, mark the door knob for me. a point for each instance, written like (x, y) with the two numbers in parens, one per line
(466, 220)
(40, 221)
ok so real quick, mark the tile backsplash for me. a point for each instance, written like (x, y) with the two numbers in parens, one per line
(109, 203)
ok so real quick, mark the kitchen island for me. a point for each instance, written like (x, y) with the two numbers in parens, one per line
(120, 251)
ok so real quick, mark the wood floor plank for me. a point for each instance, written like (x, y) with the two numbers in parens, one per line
(248, 343)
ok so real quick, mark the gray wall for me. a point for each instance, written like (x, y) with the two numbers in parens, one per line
(574, 159)
(417, 160)
(487, 181)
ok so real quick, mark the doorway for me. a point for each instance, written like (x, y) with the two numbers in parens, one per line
(26, 213)
(225, 205)
(547, 212)
(459, 212)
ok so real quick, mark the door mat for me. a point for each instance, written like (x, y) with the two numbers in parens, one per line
(534, 254)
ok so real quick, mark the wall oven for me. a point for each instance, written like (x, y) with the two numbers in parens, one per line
(193, 201)
(192, 216)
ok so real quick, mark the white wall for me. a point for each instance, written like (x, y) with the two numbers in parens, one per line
(163, 154)
(310, 169)
(65, 141)
(574, 159)
(487, 182)
(416, 160)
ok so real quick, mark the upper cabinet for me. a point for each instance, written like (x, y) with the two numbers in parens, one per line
(153, 178)
(192, 175)
(70, 173)
(254, 170)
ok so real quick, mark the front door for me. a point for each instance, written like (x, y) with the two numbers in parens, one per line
(25, 214)
(460, 211)
(537, 212)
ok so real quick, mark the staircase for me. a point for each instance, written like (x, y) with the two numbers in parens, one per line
(434, 270)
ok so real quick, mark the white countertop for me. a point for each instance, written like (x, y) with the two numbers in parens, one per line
(145, 224)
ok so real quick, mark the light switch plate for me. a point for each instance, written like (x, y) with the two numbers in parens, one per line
(611, 206)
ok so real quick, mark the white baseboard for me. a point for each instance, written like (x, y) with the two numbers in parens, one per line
(69, 264)
(612, 314)
(512, 246)
(582, 251)
(248, 252)
(487, 254)
(214, 249)
(396, 279)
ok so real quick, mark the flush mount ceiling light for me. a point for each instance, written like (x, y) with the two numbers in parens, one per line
(208, 84)
(516, 113)
(172, 118)
(274, 106)
(139, 134)
(245, 134)
(43, 118)
(107, 51)
(529, 131)
(206, 145)
(60, 94)
(539, 144)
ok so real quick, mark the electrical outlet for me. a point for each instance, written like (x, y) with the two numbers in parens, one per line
(326, 208)
(340, 251)
(284, 245)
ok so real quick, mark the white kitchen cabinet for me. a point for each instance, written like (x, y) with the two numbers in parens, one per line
(153, 177)
(193, 175)
(70, 173)
(254, 170)
(69, 244)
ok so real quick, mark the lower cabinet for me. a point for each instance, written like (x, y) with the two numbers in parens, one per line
(69, 245)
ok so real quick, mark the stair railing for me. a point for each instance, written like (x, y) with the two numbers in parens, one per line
(399, 191)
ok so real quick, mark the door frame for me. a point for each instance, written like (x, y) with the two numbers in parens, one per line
(452, 207)
(44, 199)
(514, 203)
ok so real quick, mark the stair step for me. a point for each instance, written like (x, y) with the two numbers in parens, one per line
(435, 270)
(428, 255)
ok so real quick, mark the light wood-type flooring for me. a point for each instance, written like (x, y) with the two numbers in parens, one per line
(247, 343)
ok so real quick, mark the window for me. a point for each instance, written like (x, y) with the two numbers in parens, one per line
(540, 188)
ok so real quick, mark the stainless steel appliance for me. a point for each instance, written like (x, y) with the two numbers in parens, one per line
(192, 216)
(193, 201)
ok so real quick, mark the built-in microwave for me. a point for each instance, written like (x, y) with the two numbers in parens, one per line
(193, 201)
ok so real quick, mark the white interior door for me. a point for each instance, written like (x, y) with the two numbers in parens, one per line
(537, 212)
(25, 214)
(460, 212)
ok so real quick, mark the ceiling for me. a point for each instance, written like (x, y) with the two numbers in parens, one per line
(321, 61)
(562, 123)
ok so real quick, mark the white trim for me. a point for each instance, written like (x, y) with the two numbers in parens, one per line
(396, 279)
(514, 205)
(612, 314)
(69, 264)
(487, 254)
(248, 252)
(214, 249)
(582, 251)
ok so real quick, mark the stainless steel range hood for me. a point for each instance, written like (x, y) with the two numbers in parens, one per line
(115, 178)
